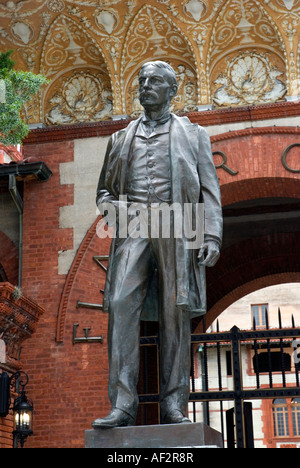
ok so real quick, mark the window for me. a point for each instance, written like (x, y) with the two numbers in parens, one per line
(272, 362)
(259, 314)
(283, 412)
(296, 416)
(280, 414)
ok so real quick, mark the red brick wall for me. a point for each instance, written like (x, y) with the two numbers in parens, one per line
(256, 154)
(6, 428)
(68, 383)
(42, 239)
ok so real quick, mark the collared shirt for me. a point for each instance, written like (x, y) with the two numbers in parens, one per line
(149, 168)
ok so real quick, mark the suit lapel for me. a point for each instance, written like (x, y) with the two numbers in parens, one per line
(124, 152)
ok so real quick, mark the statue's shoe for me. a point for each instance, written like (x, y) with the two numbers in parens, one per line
(116, 418)
(175, 417)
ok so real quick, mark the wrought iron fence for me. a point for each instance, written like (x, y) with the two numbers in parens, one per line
(262, 343)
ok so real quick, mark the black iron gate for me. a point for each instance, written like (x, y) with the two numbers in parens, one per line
(262, 342)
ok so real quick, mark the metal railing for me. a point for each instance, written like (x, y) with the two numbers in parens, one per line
(238, 421)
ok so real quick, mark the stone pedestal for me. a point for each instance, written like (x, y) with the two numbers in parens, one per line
(196, 435)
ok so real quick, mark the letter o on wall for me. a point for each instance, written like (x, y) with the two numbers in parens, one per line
(283, 158)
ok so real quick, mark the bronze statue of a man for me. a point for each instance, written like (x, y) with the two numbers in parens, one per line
(159, 159)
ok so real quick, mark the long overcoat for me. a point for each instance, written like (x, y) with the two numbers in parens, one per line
(194, 180)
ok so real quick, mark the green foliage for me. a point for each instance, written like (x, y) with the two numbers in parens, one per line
(20, 87)
(6, 63)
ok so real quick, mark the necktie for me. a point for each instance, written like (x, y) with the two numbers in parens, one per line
(151, 124)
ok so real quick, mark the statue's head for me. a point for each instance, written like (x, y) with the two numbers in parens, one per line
(157, 85)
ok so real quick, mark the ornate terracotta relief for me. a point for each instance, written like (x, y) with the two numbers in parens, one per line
(81, 89)
(254, 72)
(225, 52)
(81, 96)
(153, 36)
(248, 79)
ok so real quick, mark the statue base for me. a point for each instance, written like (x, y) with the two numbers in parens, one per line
(195, 435)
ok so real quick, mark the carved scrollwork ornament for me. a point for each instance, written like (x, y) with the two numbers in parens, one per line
(22, 32)
(291, 6)
(250, 78)
(195, 9)
(56, 5)
(107, 20)
(83, 98)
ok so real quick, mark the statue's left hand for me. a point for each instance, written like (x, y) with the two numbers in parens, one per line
(209, 253)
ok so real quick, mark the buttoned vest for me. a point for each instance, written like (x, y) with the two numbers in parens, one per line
(149, 168)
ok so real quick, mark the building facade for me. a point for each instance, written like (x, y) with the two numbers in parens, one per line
(275, 420)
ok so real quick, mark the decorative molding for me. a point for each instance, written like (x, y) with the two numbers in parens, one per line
(153, 36)
(204, 118)
(256, 131)
(82, 97)
(61, 38)
(19, 317)
(249, 78)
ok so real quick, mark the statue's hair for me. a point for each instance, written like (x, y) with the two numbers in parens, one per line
(165, 65)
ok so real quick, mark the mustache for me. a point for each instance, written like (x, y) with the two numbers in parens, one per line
(143, 94)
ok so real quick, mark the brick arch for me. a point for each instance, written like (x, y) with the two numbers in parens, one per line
(263, 260)
(251, 265)
(257, 262)
(81, 275)
(247, 288)
(256, 153)
(247, 264)
(260, 187)
(9, 259)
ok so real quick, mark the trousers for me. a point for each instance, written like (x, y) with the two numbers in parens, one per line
(135, 260)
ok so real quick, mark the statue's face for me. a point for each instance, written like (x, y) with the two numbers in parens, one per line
(155, 87)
